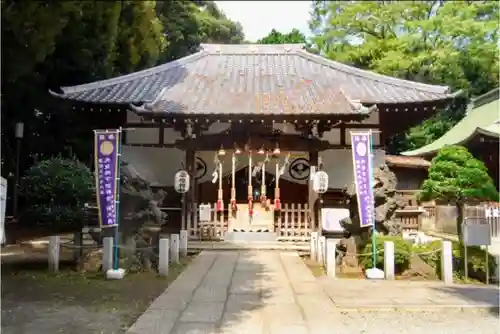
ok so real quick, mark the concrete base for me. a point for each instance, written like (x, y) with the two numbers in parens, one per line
(374, 273)
(115, 274)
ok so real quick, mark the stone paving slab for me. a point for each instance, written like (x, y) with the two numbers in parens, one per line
(412, 295)
(273, 292)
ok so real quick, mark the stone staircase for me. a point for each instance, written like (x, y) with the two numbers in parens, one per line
(258, 229)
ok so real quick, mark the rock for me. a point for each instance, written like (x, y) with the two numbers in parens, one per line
(91, 262)
(386, 204)
(139, 208)
(349, 259)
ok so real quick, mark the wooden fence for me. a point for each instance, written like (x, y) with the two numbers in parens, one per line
(214, 230)
(293, 223)
(437, 217)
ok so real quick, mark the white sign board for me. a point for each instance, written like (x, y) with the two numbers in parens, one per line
(181, 181)
(3, 202)
(205, 213)
(476, 234)
(331, 217)
(320, 182)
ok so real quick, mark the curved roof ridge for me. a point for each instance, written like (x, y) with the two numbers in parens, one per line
(372, 75)
(487, 97)
(131, 76)
(252, 48)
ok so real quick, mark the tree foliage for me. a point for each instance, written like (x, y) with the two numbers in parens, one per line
(46, 45)
(455, 176)
(55, 191)
(453, 43)
(276, 37)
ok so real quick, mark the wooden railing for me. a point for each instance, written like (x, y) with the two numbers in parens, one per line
(215, 229)
(293, 222)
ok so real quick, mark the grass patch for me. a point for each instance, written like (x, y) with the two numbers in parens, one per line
(30, 283)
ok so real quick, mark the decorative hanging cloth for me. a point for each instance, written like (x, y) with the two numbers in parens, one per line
(263, 199)
(233, 184)
(220, 203)
(250, 190)
(279, 172)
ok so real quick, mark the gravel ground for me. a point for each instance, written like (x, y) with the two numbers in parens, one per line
(443, 322)
(37, 302)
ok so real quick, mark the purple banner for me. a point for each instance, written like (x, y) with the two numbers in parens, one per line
(106, 173)
(362, 167)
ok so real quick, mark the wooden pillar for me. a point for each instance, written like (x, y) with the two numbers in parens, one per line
(313, 161)
(190, 197)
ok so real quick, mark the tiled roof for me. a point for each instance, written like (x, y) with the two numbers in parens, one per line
(410, 162)
(254, 78)
(482, 119)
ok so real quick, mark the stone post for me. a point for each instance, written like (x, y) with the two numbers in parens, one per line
(174, 248)
(389, 260)
(107, 253)
(314, 246)
(497, 273)
(321, 250)
(331, 254)
(446, 262)
(164, 246)
(54, 249)
(183, 243)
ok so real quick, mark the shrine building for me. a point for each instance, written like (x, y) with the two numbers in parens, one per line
(248, 113)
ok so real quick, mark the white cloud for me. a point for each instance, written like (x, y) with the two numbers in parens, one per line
(258, 18)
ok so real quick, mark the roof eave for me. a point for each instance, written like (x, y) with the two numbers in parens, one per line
(434, 89)
(127, 77)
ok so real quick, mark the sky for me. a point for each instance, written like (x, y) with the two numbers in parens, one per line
(258, 18)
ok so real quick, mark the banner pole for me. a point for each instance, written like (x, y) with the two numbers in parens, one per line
(374, 236)
(117, 208)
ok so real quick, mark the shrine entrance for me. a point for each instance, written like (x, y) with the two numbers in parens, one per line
(242, 185)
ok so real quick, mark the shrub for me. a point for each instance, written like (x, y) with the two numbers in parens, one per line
(476, 259)
(54, 192)
(402, 253)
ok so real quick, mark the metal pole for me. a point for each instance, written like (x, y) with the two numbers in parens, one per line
(118, 186)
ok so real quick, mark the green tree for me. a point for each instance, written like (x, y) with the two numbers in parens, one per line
(189, 23)
(455, 176)
(46, 45)
(450, 43)
(50, 44)
(55, 191)
(276, 37)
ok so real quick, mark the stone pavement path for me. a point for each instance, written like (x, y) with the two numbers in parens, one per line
(266, 292)
(240, 292)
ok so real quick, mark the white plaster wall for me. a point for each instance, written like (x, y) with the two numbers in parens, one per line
(159, 165)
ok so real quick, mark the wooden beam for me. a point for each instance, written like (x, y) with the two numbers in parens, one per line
(313, 161)
(256, 118)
